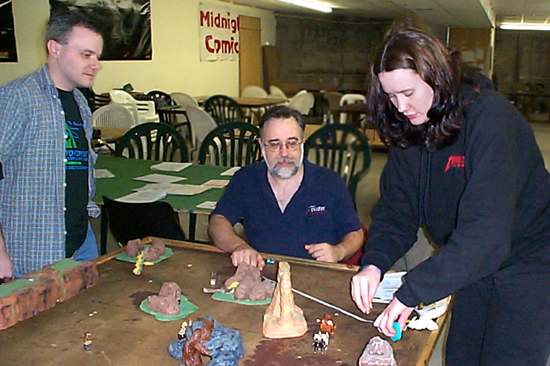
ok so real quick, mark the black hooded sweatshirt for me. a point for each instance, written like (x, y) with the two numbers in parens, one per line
(485, 201)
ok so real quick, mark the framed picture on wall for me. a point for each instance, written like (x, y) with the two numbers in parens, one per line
(125, 25)
(8, 49)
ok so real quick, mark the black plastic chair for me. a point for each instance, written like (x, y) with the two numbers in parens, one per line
(341, 148)
(223, 109)
(97, 101)
(129, 221)
(153, 141)
(160, 98)
(231, 144)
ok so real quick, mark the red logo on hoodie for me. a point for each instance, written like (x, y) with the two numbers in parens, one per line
(454, 161)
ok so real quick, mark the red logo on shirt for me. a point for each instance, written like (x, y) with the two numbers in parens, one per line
(455, 161)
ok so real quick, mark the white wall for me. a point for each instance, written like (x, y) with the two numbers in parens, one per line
(175, 66)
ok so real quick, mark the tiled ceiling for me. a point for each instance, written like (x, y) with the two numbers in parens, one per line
(454, 13)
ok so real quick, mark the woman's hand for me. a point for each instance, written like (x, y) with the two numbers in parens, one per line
(363, 287)
(395, 310)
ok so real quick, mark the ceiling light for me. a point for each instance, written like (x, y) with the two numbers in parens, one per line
(310, 4)
(525, 26)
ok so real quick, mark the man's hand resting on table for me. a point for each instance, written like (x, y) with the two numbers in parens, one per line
(325, 252)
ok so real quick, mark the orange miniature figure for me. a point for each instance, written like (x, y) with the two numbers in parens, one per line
(326, 325)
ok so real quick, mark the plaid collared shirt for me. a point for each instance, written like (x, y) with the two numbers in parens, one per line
(32, 151)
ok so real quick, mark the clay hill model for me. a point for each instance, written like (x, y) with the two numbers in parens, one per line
(283, 318)
(152, 254)
(378, 352)
(168, 299)
(250, 282)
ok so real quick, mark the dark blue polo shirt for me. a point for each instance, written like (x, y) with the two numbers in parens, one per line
(321, 210)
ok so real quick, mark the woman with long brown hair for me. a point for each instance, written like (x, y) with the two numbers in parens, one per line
(463, 164)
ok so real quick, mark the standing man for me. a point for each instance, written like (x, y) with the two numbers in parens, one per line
(45, 132)
(287, 205)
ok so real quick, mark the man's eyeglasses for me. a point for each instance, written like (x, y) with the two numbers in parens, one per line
(291, 144)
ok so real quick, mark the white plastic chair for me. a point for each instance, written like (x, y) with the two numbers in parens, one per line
(143, 110)
(253, 91)
(302, 102)
(184, 100)
(333, 98)
(111, 116)
(275, 91)
(350, 99)
(201, 124)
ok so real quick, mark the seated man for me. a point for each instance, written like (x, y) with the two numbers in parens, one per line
(287, 205)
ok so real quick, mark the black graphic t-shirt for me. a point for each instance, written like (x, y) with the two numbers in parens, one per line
(76, 175)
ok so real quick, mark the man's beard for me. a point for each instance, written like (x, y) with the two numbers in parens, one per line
(287, 171)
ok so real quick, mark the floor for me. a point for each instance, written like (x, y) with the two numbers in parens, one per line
(367, 195)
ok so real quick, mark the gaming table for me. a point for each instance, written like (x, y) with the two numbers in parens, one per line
(124, 335)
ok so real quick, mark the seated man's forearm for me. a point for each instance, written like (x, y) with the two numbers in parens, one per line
(222, 234)
(351, 243)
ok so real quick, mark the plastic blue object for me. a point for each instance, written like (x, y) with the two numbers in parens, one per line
(398, 332)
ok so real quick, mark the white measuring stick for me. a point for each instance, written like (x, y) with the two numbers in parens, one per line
(345, 312)
(319, 301)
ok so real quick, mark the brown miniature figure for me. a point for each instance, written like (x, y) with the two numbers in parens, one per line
(133, 247)
(378, 352)
(196, 344)
(283, 318)
(250, 282)
(168, 299)
(326, 325)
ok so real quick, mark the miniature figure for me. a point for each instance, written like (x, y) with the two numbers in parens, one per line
(320, 342)
(197, 344)
(326, 325)
(213, 279)
(139, 263)
(183, 329)
(87, 341)
(223, 345)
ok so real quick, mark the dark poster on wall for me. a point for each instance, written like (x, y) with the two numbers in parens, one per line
(124, 24)
(8, 50)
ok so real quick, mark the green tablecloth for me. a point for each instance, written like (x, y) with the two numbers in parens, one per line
(127, 169)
